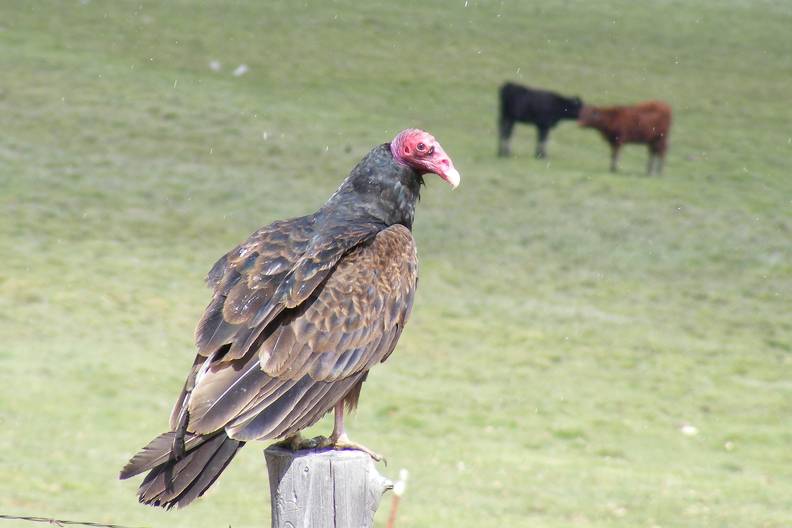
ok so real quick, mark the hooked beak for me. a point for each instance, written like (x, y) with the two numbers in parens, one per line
(451, 175)
(444, 168)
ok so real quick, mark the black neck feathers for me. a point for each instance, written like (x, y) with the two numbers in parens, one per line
(378, 189)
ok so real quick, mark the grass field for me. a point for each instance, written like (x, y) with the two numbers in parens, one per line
(569, 322)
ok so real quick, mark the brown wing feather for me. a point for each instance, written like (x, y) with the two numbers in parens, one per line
(312, 355)
(246, 278)
(278, 267)
(363, 300)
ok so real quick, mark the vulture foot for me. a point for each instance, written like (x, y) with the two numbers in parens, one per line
(343, 442)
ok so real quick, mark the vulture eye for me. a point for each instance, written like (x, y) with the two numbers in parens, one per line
(421, 147)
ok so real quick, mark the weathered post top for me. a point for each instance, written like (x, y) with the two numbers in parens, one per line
(318, 488)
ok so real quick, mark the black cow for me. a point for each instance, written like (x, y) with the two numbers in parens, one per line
(528, 105)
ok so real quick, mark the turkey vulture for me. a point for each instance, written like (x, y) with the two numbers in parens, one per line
(300, 312)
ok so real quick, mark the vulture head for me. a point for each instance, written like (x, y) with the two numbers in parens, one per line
(420, 151)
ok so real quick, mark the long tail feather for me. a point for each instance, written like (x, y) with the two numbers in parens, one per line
(222, 457)
(174, 482)
(157, 452)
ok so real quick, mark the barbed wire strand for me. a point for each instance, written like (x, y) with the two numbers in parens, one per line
(60, 522)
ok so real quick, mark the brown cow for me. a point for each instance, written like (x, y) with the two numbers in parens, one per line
(647, 123)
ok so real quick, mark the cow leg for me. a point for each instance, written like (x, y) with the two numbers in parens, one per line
(659, 159)
(650, 166)
(541, 142)
(614, 167)
(658, 151)
(505, 127)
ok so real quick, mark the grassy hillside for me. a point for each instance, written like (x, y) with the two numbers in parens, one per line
(569, 322)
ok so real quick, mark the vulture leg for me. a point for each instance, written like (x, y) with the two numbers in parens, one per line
(339, 439)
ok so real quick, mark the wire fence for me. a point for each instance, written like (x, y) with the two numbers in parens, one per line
(60, 522)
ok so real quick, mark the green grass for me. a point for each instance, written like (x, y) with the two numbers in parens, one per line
(569, 321)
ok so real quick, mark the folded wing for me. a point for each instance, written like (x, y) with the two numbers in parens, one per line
(301, 332)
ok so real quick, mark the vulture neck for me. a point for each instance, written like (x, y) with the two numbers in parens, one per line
(379, 189)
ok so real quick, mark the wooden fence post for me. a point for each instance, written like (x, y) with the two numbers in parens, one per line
(323, 488)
